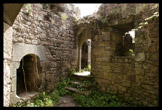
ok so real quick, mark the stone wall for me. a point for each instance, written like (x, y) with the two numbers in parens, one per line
(53, 31)
(7, 48)
(147, 62)
(134, 78)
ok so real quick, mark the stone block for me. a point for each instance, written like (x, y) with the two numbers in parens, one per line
(138, 78)
(152, 48)
(49, 76)
(103, 89)
(101, 43)
(14, 98)
(138, 65)
(122, 89)
(106, 59)
(120, 77)
(104, 68)
(53, 64)
(131, 78)
(21, 49)
(106, 81)
(140, 56)
(114, 88)
(98, 59)
(42, 36)
(126, 83)
(47, 65)
(28, 41)
(118, 70)
(139, 71)
(147, 87)
(13, 87)
(154, 57)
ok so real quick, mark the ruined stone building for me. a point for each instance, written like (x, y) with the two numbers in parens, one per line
(46, 41)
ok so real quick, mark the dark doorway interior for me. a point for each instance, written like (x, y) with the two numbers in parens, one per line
(29, 75)
(84, 60)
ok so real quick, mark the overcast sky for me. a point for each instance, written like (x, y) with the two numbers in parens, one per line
(87, 8)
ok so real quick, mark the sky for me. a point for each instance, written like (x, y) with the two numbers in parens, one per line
(132, 33)
(87, 8)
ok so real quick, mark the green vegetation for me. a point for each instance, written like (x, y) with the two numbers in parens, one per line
(95, 99)
(44, 6)
(64, 17)
(47, 99)
(131, 52)
(89, 67)
(104, 20)
(73, 71)
(42, 100)
(28, 9)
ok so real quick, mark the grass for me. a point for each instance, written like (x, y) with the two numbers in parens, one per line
(95, 99)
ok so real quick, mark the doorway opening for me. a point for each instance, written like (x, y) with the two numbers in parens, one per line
(29, 76)
(85, 58)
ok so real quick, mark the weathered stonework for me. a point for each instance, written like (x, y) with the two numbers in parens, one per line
(7, 43)
(54, 32)
(47, 34)
(132, 77)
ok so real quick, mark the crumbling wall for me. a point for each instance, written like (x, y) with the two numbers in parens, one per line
(55, 33)
(134, 78)
(147, 62)
(52, 30)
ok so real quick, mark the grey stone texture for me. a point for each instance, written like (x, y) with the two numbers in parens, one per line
(43, 33)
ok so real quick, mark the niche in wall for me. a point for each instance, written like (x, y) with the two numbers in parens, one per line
(29, 74)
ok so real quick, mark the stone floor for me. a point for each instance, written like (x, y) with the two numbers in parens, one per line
(27, 96)
(66, 101)
(85, 73)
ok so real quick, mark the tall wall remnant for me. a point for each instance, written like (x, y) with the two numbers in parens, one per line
(131, 75)
(48, 26)
(135, 78)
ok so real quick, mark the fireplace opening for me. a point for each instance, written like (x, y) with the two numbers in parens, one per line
(29, 75)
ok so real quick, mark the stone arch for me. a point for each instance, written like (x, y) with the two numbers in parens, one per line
(83, 36)
(19, 51)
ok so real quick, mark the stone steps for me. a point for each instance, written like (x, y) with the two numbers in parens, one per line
(78, 83)
(81, 84)
(72, 89)
(77, 77)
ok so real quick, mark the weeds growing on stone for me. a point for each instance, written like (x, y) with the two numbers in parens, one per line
(95, 99)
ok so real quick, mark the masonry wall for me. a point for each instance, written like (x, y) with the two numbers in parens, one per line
(46, 28)
(7, 44)
(133, 78)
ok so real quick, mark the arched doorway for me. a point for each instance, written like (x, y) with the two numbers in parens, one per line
(86, 54)
(29, 75)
